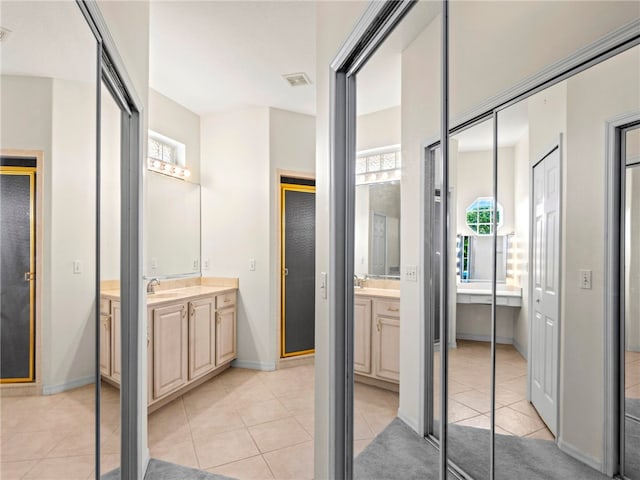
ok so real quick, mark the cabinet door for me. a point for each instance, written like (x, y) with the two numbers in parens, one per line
(116, 356)
(105, 345)
(202, 334)
(362, 336)
(388, 348)
(170, 343)
(225, 335)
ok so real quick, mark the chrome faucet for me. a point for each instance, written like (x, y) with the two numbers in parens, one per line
(152, 283)
(356, 281)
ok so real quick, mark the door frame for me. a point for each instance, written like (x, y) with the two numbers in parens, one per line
(35, 387)
(284, 187)
(556, 145)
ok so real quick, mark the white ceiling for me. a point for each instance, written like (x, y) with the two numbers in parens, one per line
(211, 55)
(47, 39)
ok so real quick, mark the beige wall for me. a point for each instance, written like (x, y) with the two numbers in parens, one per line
(378, 129)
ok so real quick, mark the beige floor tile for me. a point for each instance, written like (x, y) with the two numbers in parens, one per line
(307, 420)
(516, 422)
(244, 396)
(220, 448)
(64, 468)
(108, 462)
(523, 406)
(361, 429)
(476, 400)
(298, 404)
(504, 396)
(169, 423)
(292, 463)
(237, 377)
(28, 446)
(632, 373)
(481, 421)
(542, 434)
(205, 400)
(632, 392)
(254, 468)
(75, 444)
(380, 419)
(517, 385)
(631, 356)
(360, 445)
(180, 453)
(263, 412)
(458, 411)
(15, 470)
(215, 421)
(278, 434)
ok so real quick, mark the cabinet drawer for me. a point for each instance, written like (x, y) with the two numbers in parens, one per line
(105, 306)
(387, 308)
(226, 300)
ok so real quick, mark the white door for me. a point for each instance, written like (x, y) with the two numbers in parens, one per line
(545, 281)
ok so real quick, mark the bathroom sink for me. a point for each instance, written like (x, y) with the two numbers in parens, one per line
(161, 295)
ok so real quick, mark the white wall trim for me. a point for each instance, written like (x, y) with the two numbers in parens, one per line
(580, 456)
(70, 385)
(410, 423)
(484, 338)
(254, 365)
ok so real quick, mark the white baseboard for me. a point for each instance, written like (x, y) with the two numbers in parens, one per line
(483, 338)
(580, 456)
(253, 365)
(633, 348)
(70, 385)
(520, 349)
(410, 422)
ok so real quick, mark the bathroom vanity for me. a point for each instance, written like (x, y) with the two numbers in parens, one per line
(191, 337)
(376, 332)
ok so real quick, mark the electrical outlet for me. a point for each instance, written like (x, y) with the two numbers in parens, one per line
(154, 263)
(252, 264)
(195, 264)
(77, 267)
(206, 264)
(585, 279)
(411, 273)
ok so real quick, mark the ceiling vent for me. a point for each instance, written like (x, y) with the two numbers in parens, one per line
(4, 33)
(297, 79)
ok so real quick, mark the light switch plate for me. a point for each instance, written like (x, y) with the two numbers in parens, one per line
(77, 267)
(411, 273)
(252, 264)
(585, 279)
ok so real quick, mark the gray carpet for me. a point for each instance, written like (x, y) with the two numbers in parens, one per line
(399, 453)
(160, 470)
(632, 439)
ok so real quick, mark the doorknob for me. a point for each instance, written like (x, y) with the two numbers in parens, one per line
(285, 272)
(537, 300)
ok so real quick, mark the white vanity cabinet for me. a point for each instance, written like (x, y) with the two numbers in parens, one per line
(191, 337)
(110, 339)
(362, 336)
(225, 331)
(170, 348)
(387, 338)
(202, 337)
(377, 338)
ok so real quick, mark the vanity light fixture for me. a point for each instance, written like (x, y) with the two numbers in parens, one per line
(168, 169)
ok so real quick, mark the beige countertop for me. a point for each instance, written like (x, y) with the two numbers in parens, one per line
(377, 292)
(171, 295)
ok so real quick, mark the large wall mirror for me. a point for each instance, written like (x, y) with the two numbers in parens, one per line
(377, 217)
(172, 226)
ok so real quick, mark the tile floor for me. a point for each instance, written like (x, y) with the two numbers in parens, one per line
(249, 424)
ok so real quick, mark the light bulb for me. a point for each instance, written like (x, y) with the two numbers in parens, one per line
(187, 173)
(167, 167)
(177, 170)
(156, 163)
